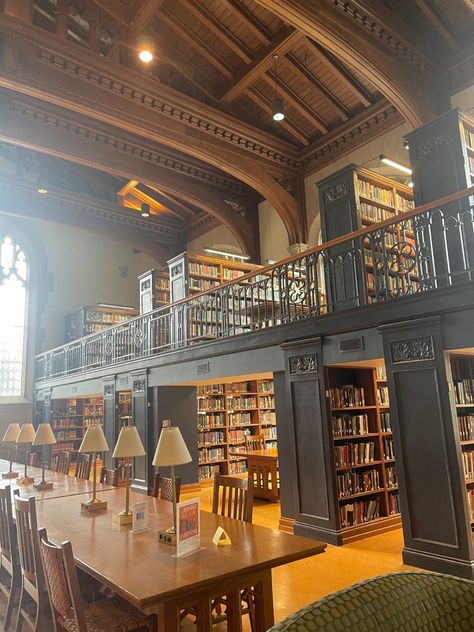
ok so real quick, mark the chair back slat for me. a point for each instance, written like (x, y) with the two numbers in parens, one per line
(109, 477)
(255, 442)
(62, 462)
(28, 544)
(7, 528)
(163, 487)
(232, 497)
(83, 466)
(34, 459)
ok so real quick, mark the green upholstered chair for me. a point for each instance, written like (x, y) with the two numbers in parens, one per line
(405, 602)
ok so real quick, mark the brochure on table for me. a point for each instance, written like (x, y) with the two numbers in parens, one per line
(139, 517)
(188, 538)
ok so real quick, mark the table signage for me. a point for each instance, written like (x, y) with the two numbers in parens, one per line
(139, 517)
(221, 537)
(188, 526)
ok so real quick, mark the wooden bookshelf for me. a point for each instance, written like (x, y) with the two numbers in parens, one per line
(154, 290)
(468, 133)
(70, 419)
(92, 319)
(227, 413)
(364, 465)
(462, 369)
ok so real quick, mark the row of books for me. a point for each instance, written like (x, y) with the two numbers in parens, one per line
(354, 453)
(211, 403)
(271, 444)
(265, 387)
(267, 401)
(380, 372)
(206, 438)
(391, 475)
(375, 213)
(383, 282)
(359, 512)
(240, 419)
(388, 452)
(376, 193)
(241, 401)
(466, 427)
(229, 273)
(464, 391)
(382, 395)
(267, 418)
(205, 471)
(203, 269)
(202, 329)
(350, 483)
(238, 436)
(270, 432)
(470, 498)
(210, 389)
(93, 421)
(67, 434)
(469, 137)
(211, 420)
(347, 425)
(347, 395)
(402, 203)
(393, 504)
(212, 454)
(65, 423)
(237, 467)
(385, 422)
(201, 284)
(468, 463)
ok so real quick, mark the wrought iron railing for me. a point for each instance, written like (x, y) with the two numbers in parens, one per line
(420, 251)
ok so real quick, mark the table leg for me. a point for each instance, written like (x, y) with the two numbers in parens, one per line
(168, 618)
(264, 616)
(234, 611)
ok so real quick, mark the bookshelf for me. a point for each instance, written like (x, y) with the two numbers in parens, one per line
(70, 419)
(364, 463)
(462, 369)
(226, 414)
(154, 290)
(92, 319)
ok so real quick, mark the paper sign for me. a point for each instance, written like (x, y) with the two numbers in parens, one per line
(221, 538)
(139, 518)
(188, 528)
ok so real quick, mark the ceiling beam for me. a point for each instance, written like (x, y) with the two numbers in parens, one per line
(116, 10)
(296, 102)
(146, 10)
(243, 15)
(245, 75)
(200, 46)
(265, 105)
(202, 13)
(172, 202)
(136, 198)
(430, 12)
(339, 71)
(329, 98)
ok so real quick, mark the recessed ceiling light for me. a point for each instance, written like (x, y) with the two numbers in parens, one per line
(395, 164)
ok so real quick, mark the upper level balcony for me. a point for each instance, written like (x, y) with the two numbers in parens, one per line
(421, 252)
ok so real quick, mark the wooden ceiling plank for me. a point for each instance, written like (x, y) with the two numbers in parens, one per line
(21, 9)
(296, 102)
(258, 98)
(245, 75)
(246, 18)
(339, 71)
(154, 204)
(115, 9)
(430, 12)
(172, 201)
(144, 14)
(202, 13)
(203, 49)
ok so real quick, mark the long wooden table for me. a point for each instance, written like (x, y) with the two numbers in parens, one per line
(262, 467)
(149, 576)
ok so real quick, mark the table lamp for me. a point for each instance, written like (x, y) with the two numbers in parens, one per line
(170, 451)
(128, 446)
(10, 436)
(44, 436)
(26, 436)
(94, 441)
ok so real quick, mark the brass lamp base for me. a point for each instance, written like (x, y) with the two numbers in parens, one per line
(43, 485)
(122, 518)
(94, 505)
(10, 475)
(26, 480)
(168, 536)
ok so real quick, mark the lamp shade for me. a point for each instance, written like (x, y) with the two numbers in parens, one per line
(44, 435)
(27, 434)
(94, 440)
(11, 433)
(171, 449)
(128, 444)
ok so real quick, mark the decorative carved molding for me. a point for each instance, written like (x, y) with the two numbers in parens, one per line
(177, 269)
(202, 223)
(412, 349)
(109, 390)
(138, 386)
(433, 144)
(307, 363)
(336, 192)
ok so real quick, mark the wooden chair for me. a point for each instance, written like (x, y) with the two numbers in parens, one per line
(34, 459)
(255, 442)
(109, 477)
(163, 488)
(232, 497)
(32, 586)
(62, 462)
(83, 466)
(70, 612)
(9, 562)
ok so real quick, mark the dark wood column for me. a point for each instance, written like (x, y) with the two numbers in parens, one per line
(139, 381)
(433, 501)
(306, 466)
(110, 423)
(285, 452)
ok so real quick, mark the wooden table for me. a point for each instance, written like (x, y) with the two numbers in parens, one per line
(148, 575)
(262, 467)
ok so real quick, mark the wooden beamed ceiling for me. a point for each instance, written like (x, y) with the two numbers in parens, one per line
(347, 70)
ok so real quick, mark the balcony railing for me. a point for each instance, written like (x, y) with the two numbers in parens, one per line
(420, 251)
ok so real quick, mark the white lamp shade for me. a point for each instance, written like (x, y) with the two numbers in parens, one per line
(94, 440)
(44, 435)
(128, 444)
(171, 449)
(11, 433)
(27, 434)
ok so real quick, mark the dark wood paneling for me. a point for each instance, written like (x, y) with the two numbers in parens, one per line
(110, 413)
(285, 454)
(140, 419)
(436, 526)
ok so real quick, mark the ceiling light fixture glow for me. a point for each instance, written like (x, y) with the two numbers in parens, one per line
(278, 107)
(145, 210)
(146, 48)
(395, 165)
(227, 254)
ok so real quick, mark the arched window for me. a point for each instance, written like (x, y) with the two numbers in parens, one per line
(14, 275)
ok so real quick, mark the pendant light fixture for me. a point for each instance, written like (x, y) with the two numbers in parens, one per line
(278, 110)
(145, 210)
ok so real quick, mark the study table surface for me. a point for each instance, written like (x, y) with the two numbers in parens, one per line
(148, 574)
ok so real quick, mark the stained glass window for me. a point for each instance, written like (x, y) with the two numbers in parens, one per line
(13, 291)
